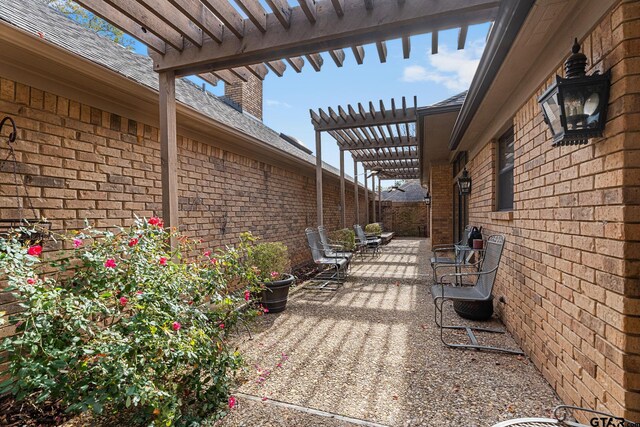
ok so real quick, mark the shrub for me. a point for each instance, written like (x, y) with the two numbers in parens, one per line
(373, 228)
(125, 322)
(345, 237)
(270, 259)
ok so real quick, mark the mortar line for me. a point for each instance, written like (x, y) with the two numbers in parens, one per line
(311, 411)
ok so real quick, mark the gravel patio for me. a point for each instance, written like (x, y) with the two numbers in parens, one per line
(369, 354)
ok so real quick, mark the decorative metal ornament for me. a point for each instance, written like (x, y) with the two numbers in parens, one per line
(575, 107)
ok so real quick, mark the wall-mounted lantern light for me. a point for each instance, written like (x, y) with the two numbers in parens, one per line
(427, 199)
(575, 107)
(464, 183)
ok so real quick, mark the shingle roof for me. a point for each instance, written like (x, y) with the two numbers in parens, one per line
(454, 100)
(35, 17)
(413, 192)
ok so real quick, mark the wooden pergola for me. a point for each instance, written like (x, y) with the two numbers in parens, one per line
(382, 139)
(234, 40)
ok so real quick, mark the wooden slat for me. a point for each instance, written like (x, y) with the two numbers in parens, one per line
(338, 6)
(149, 21)
(372, 109)
(126, 24)
(315, 118)
(315, 60)
(319, 177)
(228, 15)
(358, 53)
(278, 67)
(393, 107)
(296, 63)
(242, 73)
(402, 141)
(382, 51)
(334, 116)
(209, 78)
(382, 109)
(352, 112)
(256, 13)
(324, 116)
(337, 56)
(169, 151)
(258, 70)
(175, 19)
(462, 37)
(343, 114)
(282, 11)
(227, 76)
(389, 156)
(309, 9)
(363, 112)
(202, 17)
(434, 42)
(357, 27)
(404, 105)
(406, 47)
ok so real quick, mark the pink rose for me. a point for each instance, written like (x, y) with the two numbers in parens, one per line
(274, 274)
(110, 263)
(34, 250)
(207, 253)
(232, 402)
(176, 326)
(123, 301)
(247, 295)
(214, 261)
(154, 220)
(77, 243)
(163, 260)
(221, 325)
(134, 241)
(31, 281)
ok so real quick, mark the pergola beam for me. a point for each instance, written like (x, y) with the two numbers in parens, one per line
(402, 141)
(386, 156)
(357, 27)
(378, 118)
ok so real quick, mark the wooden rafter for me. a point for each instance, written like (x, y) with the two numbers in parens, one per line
(338, 56)
(175, 19)
(282, 11)
(229, 16)
(201, 16)
(381, 46)
(256, 13)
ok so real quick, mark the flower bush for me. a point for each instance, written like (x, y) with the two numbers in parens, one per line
(373, 228)
(345, 237)
(120, 320)
(270, 259)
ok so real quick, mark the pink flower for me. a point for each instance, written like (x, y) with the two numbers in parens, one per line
(34, 250)
(265, 309)
(207, 253)
(274, 274)
(123, 301)
(110, 263)
(139, 292)
(77, 243)
(31, 281)
(134, 241)
(232, 402)
(214, 261)
(247, 295)
(154, 220)
(176, 326)
(163, 260)
(221, 325)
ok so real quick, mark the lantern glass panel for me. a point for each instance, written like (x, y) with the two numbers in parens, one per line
(582, 106)
(553, 113)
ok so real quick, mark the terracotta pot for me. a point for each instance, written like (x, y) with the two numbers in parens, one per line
(478, 243)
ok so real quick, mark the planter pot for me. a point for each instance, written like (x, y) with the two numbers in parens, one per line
(275, 296)
(474, 310)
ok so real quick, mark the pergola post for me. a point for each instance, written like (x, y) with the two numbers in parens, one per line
(169, 150)
(319, 177)
(355, 190)
(379, 198)
(373, 188)
(366, 195)
(342, 191)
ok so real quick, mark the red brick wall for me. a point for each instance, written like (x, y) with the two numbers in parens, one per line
(410, 219)
(570, 269)
(441, 188)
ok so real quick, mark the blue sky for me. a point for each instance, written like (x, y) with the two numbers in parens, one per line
(431, 78)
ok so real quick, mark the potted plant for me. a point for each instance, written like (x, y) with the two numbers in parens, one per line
(271, 261)
(373, 229)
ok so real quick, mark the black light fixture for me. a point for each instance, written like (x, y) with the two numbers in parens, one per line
(575, 107)
(427, 199)
(464, 183)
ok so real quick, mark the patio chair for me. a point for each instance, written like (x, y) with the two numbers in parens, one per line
(332, 249)
(479, 292)
(334, 271)
(439, 250)
(561, 419)
(368, 243)
(462, 256)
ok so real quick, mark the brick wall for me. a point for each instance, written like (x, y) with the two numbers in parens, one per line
(410, 219)
(441, 188)
(83, 163)
(570, 269)
(247, 94)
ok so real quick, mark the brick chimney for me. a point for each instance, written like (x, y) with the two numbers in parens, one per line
(248, 95)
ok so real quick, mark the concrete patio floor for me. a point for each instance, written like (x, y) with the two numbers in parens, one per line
(371, 353)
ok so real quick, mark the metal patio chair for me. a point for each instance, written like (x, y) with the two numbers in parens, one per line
(334, 271)
(368, 243)
(561, 415)
(460, 255)
(332, 249)
(479, 292)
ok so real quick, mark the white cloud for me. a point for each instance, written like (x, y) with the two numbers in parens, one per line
(276, 103)
(452, 69)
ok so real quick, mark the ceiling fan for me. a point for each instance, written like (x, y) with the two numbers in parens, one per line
(395, 188)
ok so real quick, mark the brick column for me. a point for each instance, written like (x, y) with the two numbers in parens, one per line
(248, 95)
(441, 210)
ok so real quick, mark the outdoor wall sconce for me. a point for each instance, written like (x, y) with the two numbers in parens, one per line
(464, 183)
(427, 199)
(575, 107)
